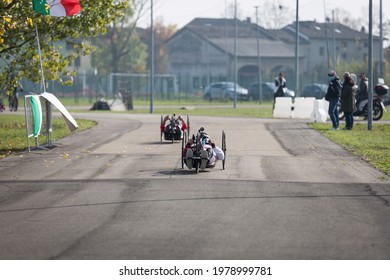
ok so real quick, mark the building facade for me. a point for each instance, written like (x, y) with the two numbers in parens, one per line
(204, 51)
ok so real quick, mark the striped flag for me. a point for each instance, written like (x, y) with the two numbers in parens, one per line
(57, 8)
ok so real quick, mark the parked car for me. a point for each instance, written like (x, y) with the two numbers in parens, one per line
(225, 90)
(268, 90)
(314, 90)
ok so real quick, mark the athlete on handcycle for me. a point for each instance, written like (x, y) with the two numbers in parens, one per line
(175, 127)
(206, 151)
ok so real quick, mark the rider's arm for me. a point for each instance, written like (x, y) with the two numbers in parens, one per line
(165, 119)
(183, 123)
(162, 125)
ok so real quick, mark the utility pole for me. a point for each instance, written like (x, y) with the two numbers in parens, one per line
(334, 42)
(235, 55)
(258, 58)
(151, 54)
(370, 69)
(381, 70)
(297, 49)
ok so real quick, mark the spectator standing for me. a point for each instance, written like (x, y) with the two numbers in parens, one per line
(281, 87)
(362, 93)
(333, 96)
(347, 99)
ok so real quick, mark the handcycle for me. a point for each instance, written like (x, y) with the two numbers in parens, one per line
(174, 130)
(197, 145)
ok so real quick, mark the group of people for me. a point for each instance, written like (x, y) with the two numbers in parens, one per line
(345, 94)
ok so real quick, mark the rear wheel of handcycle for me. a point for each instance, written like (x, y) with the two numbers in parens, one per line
(161, 132)
(183, 143)
(224, 148)
(188, 125)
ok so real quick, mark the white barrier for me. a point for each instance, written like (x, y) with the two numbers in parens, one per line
(282, 107)
(320, 112)
(303, 107)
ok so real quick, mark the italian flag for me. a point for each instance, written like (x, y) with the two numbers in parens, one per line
(57, 8)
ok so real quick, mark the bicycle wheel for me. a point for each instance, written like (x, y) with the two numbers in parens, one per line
(188, 125)
(161, 132)
(224, 148)
(183, 142)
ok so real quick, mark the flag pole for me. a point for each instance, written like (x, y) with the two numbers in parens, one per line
(47, 103)
(40, 59)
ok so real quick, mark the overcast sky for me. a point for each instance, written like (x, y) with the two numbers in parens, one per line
(181, 12)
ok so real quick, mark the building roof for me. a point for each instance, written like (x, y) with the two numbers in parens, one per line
(224, 27)
(247, 47)
(220, 33)
(311, 30)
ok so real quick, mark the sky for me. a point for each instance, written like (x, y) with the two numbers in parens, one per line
(181, 12)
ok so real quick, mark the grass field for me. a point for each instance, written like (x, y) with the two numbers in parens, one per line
(13, 132)
(371, 145)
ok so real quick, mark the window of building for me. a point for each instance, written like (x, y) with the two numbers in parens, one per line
(344, 56)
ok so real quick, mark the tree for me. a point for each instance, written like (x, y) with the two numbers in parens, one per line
(161, 34)
(18, 45)
(120, 49)
(274, 14)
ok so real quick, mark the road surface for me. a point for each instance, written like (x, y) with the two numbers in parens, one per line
(117, 192)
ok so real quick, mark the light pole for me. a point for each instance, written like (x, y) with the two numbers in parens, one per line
(151, 54)
(370, 69)
(208, 25)
(258, 58)
(334, 42)
(297, 48)
(381, 72)
(235, 55)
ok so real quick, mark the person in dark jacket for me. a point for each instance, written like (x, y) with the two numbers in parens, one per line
(362, 93)
(332, 96)
(281, 86)
(347, 99)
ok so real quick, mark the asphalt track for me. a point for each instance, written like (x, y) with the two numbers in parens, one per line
(117, 192)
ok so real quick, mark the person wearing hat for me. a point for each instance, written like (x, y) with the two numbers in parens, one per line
(347, 98)
(362, 93)
(332, 96)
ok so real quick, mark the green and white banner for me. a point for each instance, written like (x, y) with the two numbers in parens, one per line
(37, 114)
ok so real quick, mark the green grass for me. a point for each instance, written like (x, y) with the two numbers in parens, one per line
(13, 133)
(371, 145)
(250, 112)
